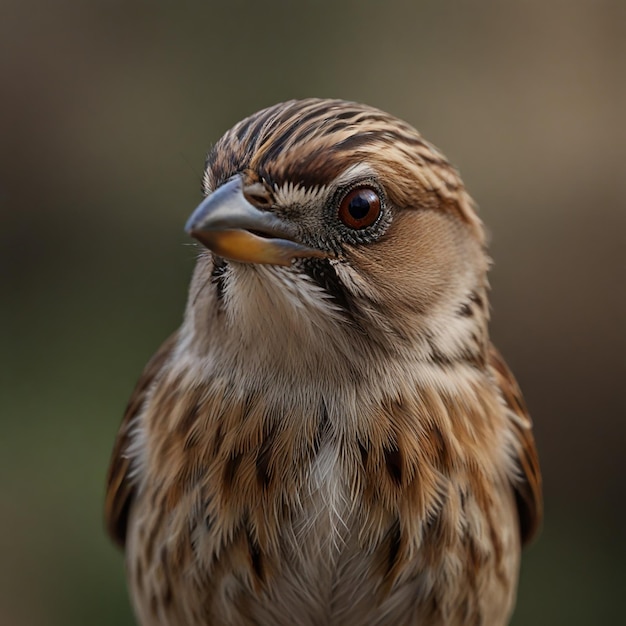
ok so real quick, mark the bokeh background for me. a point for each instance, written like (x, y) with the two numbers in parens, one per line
(107, 109)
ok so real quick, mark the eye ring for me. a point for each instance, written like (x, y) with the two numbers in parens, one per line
(360, 208)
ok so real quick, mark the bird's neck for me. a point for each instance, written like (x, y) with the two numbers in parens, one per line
(256, 329)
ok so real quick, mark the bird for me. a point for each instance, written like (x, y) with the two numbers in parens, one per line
(330, 437)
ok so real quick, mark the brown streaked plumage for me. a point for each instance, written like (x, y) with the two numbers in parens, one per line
(330, 437)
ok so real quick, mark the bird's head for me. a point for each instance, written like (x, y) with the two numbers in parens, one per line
(325, 219)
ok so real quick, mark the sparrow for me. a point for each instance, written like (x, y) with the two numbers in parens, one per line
(330, 438)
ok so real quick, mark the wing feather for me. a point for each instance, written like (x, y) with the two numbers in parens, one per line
(528, 489)
(120, 490)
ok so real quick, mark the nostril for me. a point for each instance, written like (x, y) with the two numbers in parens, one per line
(258, 194)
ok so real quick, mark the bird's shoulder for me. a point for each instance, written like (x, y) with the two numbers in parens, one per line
(120, 490)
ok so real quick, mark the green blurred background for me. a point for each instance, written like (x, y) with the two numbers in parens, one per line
(106, 111)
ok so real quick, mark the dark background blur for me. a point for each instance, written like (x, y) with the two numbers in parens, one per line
(106, 111)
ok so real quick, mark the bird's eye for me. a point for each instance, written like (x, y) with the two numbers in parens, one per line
(360, 208)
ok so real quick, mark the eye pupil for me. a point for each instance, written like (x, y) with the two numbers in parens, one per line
(360, 208)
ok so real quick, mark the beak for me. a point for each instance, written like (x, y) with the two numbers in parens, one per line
(233, 228)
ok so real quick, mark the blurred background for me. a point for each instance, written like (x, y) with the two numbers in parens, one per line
(107, 109)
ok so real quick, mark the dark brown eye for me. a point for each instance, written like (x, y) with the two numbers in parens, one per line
(360, 208)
